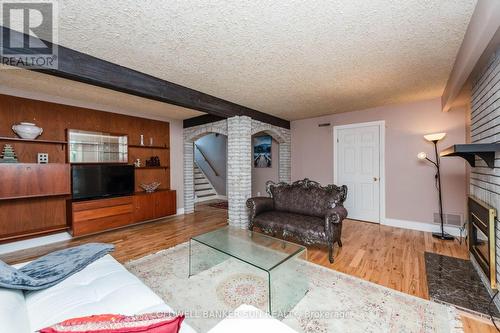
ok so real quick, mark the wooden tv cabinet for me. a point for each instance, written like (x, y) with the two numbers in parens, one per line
(93, 216)
(151, 206)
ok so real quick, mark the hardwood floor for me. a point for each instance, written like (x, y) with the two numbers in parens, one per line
(388, 256)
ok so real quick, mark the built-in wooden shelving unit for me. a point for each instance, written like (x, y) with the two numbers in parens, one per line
(36, 198)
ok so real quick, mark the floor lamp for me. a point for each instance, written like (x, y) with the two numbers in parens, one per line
(434, 138)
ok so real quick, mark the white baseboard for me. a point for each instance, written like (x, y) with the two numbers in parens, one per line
(421, 226)
(180, 211)
(34, 242)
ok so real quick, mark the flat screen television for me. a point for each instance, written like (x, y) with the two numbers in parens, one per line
(101, 181)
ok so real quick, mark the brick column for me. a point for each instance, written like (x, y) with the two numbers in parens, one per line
(239, 169)
(285, 161)
(188, 177)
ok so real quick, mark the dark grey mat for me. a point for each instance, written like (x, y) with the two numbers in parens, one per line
(455, 281)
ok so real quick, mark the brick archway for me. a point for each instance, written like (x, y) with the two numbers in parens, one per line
(239, 131)
(282, 136)
(190, 136)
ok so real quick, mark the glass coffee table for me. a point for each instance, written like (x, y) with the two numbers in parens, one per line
(280, 261)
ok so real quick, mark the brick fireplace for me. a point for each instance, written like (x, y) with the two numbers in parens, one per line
(484, 181)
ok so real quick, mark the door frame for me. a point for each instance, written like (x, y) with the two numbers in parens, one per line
(381, 126)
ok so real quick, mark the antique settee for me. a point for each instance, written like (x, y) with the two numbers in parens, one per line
(303, 211)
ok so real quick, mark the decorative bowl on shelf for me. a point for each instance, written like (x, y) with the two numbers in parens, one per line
(27, 130)
(150, 188)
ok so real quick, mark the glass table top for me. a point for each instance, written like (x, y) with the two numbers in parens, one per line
(254, 248)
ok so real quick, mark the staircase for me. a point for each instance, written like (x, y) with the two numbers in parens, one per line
(203, 189)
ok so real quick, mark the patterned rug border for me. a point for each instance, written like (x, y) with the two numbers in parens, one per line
(453, 314)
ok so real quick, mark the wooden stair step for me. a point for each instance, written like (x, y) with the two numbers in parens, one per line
(206, 195)
(203, 189)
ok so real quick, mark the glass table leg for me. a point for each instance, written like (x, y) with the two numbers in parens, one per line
(203, 257)
(288, 283)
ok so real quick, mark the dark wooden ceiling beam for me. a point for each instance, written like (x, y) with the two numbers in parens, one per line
(85, 68)
(201, 120)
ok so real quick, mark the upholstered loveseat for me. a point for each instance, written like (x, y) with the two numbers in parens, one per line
(304, 211)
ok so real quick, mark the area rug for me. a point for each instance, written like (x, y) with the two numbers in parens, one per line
(336, 302)
(220, 204)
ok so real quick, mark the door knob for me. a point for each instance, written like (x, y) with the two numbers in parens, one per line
(375, 179)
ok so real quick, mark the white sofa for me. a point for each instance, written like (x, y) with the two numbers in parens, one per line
(104, 286)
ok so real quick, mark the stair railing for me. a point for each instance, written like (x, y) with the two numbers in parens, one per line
(206, 160)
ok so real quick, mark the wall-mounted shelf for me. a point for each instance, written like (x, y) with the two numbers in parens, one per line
(485, 151)
(148, 147)
(153, 167)
(6, 138)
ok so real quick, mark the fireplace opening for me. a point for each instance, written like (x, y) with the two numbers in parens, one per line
(482, 237)
(481, 245)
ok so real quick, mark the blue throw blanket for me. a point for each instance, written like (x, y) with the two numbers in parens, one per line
(52, 268)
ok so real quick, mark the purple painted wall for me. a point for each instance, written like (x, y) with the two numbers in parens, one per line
(410, 191)
(215, 149)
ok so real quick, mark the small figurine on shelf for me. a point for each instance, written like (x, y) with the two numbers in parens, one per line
(8, 155)
(150, 188)
(154, 161)
(137, 163)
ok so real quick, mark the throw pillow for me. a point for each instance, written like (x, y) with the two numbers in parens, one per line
(110, 323)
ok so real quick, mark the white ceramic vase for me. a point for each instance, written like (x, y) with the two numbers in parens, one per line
(27, 130)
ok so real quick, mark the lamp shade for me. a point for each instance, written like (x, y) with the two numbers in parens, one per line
(434, 136)
(421, 156)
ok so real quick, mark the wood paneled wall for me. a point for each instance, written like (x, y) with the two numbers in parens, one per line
(56, 118)
(23, 217)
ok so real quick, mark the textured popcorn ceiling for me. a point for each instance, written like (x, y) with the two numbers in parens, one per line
(292, 59)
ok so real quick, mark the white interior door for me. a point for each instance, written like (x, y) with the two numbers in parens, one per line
(357, 165)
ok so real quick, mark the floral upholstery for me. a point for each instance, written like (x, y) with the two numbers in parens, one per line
(304, 211)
